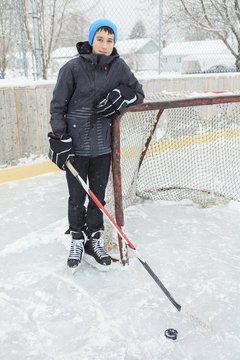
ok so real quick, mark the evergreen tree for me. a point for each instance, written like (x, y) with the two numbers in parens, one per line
(138, 30)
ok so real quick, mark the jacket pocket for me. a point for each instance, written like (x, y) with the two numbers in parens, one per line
(79, 128)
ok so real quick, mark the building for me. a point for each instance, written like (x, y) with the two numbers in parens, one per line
(139, 54)
(195, 56)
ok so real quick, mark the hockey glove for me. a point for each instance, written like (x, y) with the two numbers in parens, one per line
(116, 101)
(59, 149)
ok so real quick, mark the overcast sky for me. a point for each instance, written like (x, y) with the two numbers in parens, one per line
(124, 14)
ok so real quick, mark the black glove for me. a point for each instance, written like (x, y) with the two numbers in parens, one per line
(116, 101)
(59, 149)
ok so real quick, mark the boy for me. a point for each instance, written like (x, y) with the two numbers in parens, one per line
(91, 90)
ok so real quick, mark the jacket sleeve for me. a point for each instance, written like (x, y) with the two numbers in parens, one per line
(62, 94)
(130, 80)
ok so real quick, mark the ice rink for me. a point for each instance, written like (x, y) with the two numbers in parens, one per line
(46, 313)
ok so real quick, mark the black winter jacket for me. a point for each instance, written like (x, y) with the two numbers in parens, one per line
(82, 83)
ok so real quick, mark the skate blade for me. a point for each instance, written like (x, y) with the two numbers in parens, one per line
(74, 270)
(91, 261)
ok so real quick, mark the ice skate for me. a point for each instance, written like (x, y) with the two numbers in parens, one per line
(95, 254)
(77, 249)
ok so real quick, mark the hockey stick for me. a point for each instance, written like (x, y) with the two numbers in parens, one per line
(118, 229)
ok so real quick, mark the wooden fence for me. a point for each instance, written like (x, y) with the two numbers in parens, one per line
(24, 121)
(24, 110)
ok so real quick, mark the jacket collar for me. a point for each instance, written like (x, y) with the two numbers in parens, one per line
(85, 51)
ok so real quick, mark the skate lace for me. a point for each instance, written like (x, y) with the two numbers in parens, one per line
(98, 247)
(76, 249)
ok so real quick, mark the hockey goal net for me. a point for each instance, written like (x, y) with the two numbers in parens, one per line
(176, 147)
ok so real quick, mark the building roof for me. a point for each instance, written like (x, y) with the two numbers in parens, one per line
(64, 52)
(196, 47)
(131, 46)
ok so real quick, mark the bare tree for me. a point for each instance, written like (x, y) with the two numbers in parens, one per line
(62, 23)
(52, 18)
(156, 16)
(218, 17)
(78, 22)
(7, 34)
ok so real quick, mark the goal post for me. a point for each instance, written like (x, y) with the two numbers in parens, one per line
(176, 147)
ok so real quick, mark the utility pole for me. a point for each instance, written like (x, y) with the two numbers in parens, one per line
(23, 39)
(160, 22)
(37, 47)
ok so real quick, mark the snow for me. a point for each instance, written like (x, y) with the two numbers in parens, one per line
(16, 82)
(196, 47)
(29, 160)
(47, 313)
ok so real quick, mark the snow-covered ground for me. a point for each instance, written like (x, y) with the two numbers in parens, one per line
(46, 313)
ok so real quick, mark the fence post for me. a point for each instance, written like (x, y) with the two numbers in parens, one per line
(23, 39)
(160, 22)
(38, 58)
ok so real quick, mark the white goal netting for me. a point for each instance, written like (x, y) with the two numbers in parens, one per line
(191, 152)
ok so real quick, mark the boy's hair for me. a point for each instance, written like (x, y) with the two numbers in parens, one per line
(107, 29)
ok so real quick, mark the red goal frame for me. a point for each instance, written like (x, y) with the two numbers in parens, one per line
(116, 146)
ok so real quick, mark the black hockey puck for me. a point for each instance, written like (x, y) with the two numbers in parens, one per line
(171, 334)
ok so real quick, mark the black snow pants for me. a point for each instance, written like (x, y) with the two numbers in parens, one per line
(96, 171)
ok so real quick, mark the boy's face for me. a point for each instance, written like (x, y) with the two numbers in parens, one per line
(103, 43)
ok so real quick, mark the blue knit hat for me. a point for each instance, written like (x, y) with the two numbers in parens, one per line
(99, 23)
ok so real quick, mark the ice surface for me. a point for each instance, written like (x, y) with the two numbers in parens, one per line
(46, 313)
